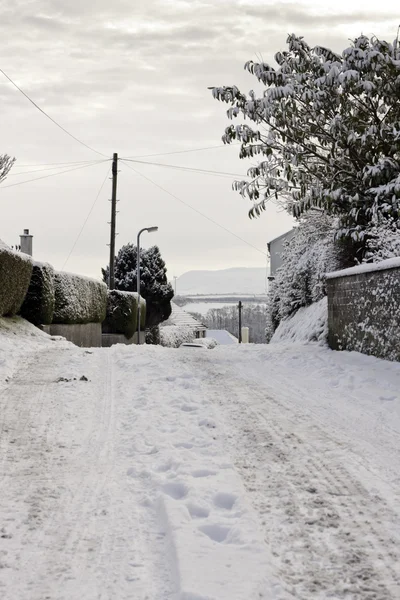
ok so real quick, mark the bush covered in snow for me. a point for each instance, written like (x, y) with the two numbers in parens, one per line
(307, 257)
(122, 312)
(308, 324)
(172, 336)
(38, 306)
(79, 299)
(15, 275)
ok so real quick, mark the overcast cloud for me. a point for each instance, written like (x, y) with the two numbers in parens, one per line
(132, 77)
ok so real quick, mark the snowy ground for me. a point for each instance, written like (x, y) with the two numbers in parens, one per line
(238, 473)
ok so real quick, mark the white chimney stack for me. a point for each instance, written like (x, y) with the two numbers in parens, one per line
(26, 242)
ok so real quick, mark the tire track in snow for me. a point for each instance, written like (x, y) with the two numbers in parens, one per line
(330, 536)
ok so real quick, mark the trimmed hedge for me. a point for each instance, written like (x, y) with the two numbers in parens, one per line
(122, 313)
(78, 299)
(38, 306)
(15, 275)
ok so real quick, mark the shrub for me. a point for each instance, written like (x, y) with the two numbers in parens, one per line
(172, 336)
(79, 299)
(122, 313)
(38, 306)
(15, 275)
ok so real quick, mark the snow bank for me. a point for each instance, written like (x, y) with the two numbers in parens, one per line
(38, 306)
(79, 299)
(15, 275)
(19, 339)
(390, 263)
(172, 336)
(308, 324)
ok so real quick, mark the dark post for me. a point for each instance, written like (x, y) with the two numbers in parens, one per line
(240, 321)
(111, 280)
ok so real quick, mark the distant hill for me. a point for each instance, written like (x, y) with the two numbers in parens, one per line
(238, 280)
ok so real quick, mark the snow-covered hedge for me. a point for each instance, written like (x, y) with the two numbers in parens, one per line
(121, 315)
(38, 306)
(15, 275)
(172, 336)
(79, 299)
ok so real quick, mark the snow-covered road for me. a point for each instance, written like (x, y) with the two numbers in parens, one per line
(237, 473)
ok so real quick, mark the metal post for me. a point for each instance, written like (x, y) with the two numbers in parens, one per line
(150, 230)
(111, 278)
(240, 321)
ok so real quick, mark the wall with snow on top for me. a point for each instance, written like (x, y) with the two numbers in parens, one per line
(364, 309)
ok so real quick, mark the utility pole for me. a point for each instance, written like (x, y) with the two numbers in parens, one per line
(175, 278)
(240, 321)
(111, 279)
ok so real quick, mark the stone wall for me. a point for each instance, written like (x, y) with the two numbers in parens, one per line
(85, 335)
(364, 309)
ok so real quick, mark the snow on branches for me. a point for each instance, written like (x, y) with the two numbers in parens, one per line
(327, 131)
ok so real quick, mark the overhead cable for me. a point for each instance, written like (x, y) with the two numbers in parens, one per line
(86, 219)
(180, 168)
(2, 187)
(194, 209)
(87, 163)
(48, 116)
(181, 151)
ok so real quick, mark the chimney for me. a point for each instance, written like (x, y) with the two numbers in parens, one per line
(26, 242)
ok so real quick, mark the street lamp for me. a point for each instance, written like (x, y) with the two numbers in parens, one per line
(150, 230)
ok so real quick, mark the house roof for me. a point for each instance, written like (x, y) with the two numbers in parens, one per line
(181, 318)
(222, 336)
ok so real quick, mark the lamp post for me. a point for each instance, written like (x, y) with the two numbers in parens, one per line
(149, 230)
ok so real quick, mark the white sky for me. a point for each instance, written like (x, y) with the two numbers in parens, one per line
(132, 77)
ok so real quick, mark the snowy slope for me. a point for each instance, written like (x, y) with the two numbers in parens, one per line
(226, 281)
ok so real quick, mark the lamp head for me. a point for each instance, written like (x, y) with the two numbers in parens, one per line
(151, 229)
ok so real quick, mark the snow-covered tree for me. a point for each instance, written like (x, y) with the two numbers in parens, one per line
(383, 240)
(327, 134)
(307, 257)
(154, 286)
(6, 162)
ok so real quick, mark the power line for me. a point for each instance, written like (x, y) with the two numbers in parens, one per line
(87, 163)
(48, 116)
(180, 168)
(194, 209)
(60, 164)
(52, 174)
(182, 151)
(87, 218)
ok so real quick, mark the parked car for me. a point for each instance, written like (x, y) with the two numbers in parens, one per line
(192, 345)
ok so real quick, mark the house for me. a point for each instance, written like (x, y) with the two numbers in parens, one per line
(180, 318)
(275, 248)
(222, 336)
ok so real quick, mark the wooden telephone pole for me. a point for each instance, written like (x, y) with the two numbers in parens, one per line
(111, 279)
